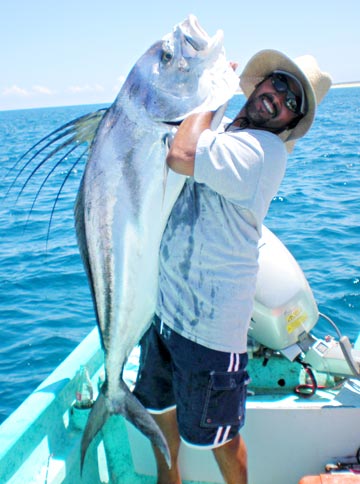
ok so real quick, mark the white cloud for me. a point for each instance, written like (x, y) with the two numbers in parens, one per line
(85, 89)
(39, 95)
(15, 90)
(43, 90)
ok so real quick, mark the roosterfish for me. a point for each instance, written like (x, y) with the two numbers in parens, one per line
(126, 195)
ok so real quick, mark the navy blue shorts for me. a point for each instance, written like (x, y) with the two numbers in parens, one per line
(207, 387)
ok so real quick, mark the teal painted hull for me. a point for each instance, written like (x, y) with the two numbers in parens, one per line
(40, 441)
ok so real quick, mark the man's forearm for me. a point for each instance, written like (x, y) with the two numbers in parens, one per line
(181, 155)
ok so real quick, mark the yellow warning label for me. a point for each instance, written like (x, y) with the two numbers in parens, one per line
(295, 319)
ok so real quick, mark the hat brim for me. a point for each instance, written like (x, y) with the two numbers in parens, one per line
(267, 61)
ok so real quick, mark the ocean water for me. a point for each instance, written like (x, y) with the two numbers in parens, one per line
(45, 303)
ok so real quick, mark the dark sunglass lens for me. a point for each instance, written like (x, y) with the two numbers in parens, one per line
(279, 83)
(291, 104)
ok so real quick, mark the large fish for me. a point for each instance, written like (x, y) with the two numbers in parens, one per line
(126, 195)
(123, 202)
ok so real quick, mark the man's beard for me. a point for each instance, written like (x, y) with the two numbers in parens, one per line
(255, 118)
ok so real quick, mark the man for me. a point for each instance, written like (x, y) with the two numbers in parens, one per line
(192, 375)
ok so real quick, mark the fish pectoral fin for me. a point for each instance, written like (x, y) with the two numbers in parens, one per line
(143, 421)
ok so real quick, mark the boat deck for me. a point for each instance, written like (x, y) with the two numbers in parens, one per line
(40, 441)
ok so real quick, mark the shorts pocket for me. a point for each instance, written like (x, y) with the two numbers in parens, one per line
(225, 399)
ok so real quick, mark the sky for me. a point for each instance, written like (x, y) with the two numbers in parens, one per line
(71, 52)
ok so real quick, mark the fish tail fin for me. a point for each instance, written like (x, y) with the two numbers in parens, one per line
(144, 422)
(128, 406)
(97, 418)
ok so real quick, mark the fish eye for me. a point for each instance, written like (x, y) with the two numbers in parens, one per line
(167, 52)
(166, 56)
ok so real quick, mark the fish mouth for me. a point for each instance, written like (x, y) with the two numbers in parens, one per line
(195, 45)
(197, 37)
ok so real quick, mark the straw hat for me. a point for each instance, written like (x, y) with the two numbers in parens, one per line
(305, 68)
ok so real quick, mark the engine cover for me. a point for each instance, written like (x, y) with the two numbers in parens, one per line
(284, 304)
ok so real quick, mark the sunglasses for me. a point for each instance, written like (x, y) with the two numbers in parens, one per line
(294, 103)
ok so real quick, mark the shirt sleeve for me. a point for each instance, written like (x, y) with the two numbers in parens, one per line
(242, 166)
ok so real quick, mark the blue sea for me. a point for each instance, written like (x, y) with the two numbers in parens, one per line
(45, 303)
